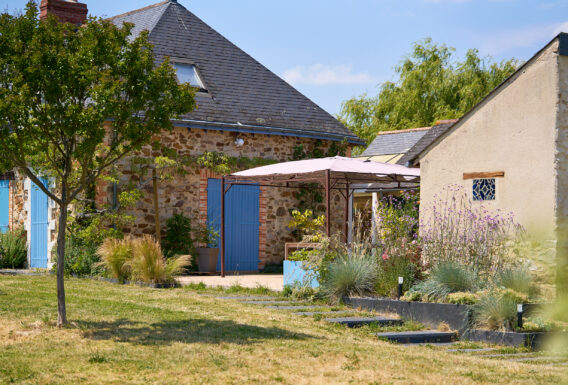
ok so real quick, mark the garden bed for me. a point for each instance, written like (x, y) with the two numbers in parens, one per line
(431, 314)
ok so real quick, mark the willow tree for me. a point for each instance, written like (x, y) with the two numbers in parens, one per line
(430, 84)
(74, 101)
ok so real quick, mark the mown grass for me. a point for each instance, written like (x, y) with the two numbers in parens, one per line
(134, 335)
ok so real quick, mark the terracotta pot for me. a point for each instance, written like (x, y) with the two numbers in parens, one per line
(207, 259)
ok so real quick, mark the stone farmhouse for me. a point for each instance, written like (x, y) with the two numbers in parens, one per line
(244, 110)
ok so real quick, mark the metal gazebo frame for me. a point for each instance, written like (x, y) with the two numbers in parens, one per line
(331, 180)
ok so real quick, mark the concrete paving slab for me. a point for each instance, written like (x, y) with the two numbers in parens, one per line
(245, 298)
(297, 307)
(312, 313)
(267, 302)
(416, 337)
(352, 322)
(479, 350)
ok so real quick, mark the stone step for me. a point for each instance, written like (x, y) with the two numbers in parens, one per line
(298, 307)
(419, 337)
(268, 302)
(476, 350)
(247, 298)
(311, 313)
(353, 322)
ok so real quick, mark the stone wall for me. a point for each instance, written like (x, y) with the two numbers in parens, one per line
(188, 194)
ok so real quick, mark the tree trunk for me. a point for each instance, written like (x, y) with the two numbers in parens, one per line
(61, 311)
(156, 206)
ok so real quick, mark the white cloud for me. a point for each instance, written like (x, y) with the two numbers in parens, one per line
(323, 75)
(535, 35)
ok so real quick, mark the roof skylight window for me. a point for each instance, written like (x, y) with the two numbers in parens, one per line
(187, 73)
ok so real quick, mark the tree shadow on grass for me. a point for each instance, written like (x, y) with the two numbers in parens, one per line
(197, 330)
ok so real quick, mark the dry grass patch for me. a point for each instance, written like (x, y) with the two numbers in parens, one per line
(132, 335)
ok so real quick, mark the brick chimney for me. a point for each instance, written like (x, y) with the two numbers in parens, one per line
(67, 11)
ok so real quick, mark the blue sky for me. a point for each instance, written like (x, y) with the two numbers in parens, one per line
(332, 50)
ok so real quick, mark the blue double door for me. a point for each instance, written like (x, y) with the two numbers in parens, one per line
(39, 227)
(241, 224)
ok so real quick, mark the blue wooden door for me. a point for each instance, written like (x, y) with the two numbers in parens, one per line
(39, 226)
(4, 205)
(241, 224)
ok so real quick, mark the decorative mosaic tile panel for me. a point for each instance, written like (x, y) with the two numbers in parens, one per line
(484, 189)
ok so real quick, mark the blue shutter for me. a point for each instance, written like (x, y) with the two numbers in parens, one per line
(4, 205)
(39, 227)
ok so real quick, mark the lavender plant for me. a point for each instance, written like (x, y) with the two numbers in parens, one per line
(472, 235)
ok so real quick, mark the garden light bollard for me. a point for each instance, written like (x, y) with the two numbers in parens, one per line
(400, 282)
(520, 315)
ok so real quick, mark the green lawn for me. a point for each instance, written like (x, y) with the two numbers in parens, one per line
(128, 334)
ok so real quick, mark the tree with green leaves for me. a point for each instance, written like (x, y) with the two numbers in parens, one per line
(430, 85)
(76, 100)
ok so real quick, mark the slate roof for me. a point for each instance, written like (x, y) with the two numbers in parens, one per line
(409, 159)
(243, 95)
(394, 142)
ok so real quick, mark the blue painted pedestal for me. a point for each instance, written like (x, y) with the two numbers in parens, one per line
(294, 274)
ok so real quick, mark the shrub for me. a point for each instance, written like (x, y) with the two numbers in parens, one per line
(350, 275)
(456, 231)
(389, 269)
(306, 225)
(412, 295)
(300, 291)
(115, 255)
(178, 238)
(537, 324)
(461, 298)
(497, 309)
(81, 257)
(13, 250)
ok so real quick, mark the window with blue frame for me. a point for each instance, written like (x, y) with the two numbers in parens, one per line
(484, 189)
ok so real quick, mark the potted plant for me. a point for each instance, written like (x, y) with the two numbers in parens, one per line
(207, 255)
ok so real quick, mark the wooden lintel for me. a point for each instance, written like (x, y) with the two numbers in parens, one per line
(483, 175)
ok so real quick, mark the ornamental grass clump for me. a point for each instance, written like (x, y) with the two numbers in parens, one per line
(497, 309)
(115, 253)
(140, 260)
(350, 275)
(447, 278)
(518, 279)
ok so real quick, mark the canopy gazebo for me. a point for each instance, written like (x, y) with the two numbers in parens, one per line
(334, 173)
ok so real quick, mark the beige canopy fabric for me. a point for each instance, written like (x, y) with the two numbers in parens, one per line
(348, 170)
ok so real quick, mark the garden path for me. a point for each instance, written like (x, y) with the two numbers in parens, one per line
(270, 281)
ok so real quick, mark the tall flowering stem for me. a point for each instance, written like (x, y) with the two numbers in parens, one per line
(459, 231)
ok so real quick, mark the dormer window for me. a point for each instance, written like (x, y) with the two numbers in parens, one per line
(187, 73)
